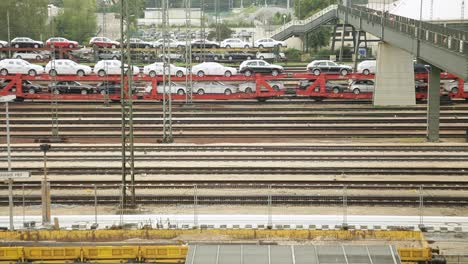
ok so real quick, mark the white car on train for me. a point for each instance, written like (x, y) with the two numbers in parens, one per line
(269, 43)
(452, 86)
(176, 88)
(234, 43)
(157, 68)
(366, 67)
(250, 87)
(214, 87)
(19, 66)
(111, 67)
(65, 67)
(213, 68)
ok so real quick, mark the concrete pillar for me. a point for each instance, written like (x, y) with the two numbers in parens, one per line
(295, 42)
(394, 80)
(433, 105)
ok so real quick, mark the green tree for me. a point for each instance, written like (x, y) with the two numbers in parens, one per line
(224, 32)
(319, 38)
(58, 3)
(28, 18)
(77, 20)
(306, 8)
(136, 10)
(278, 18)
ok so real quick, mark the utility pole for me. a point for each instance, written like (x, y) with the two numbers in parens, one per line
(462, 17)
(45, 188)
(432, 11)
(188, 52)
(167, 97)
(9, 33)
(126, 106)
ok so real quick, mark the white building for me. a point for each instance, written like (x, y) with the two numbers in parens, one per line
(153, 16)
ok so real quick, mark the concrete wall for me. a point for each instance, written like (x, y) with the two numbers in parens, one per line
(394, 81)
(109, 25)
(176, 17)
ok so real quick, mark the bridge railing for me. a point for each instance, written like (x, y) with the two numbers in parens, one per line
(315, 16)
(451, 39)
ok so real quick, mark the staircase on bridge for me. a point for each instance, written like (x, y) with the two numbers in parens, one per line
(437, 45)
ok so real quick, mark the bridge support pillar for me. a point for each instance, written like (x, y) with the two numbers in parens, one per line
(296, 42)
(433, 105)
(394, 81)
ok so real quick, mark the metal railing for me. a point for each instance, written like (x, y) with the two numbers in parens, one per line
(197, 203)
(447, 38)
(316, 16)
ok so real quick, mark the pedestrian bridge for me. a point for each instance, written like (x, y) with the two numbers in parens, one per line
(437, 45)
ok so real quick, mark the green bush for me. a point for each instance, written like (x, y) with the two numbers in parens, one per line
(293, 54)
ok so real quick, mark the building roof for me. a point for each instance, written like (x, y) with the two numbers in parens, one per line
(274, 254)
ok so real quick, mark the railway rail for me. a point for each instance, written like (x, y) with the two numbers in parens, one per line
(236, 121)
(246, 200)
(245, 184)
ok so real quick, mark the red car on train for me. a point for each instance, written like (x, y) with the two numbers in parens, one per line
(61, 43)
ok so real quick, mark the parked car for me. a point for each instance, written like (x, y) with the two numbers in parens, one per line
(205, 56)
(19, 66)
(250, 67)
(234, 43)
(61, 43)
(103, 42)
(3, 44)
(452, 86)
(270, 56)
(213, 68)
(175, 88)
(269, 43)
(213, 87)
(111, 87)
(63, 66)
(171, 43)
(172, 56)
(27, 87)
(62, 87)
(140, 44)
(366, 67)
(238, 56)
(420, 86)
(330, 87)
(109, 55)
(204, 43)
(112, 67)
(326, 66)
(250, 87)
(359, 86)
(29, 55)
(26, 43)
(157, 69)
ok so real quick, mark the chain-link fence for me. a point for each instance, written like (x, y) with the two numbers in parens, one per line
(235, 205)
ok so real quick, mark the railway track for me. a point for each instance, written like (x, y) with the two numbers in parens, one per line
(236, 120)
(256, 163)
(246, 200)
(243, 184)
(246, 148)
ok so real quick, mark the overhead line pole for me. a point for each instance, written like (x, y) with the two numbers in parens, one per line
(167, 97)
(128, 158)
(188, 52)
